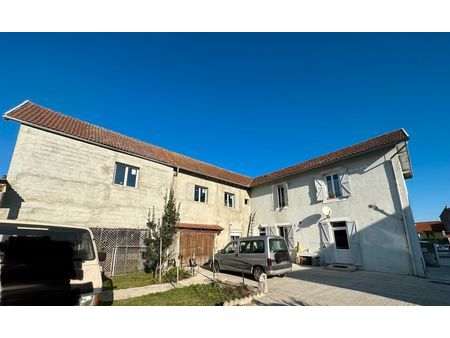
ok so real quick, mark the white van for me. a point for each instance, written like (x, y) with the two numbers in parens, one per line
(38, 240)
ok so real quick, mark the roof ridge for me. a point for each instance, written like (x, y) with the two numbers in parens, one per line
(332, 152)
(105, 137)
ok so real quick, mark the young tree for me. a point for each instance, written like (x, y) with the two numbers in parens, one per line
(161, 233)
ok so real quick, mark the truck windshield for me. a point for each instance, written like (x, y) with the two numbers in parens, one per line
(80, 240)
(277, 245)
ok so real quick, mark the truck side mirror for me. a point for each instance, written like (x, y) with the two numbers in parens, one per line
(101, 256)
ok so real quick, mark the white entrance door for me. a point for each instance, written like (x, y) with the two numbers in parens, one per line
(343, 254)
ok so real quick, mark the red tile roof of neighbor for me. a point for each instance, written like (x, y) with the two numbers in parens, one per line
(211, 227)
(34, 115)
(434, 226)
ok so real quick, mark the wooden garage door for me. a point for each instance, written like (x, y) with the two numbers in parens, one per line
(198, 244)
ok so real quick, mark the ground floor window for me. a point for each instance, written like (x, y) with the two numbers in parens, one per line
(262, 232)
(235, 235)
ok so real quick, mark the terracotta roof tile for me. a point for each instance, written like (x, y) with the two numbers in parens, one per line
(211, 227)
(30, 113)
(38, 116)
(375, 143)
(434, 226)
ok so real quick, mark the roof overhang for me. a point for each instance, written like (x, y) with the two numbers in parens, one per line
(405, 160)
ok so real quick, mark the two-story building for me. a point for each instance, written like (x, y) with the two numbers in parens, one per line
(64, 170)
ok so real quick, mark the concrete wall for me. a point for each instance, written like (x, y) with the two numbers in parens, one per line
(383, 242)
(214, 211)
(61, 180)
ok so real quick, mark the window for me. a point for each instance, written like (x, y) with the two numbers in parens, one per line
(229, 200)
(201, 194)
(340, 235)
(333, 186)
(277, 245)
(251, 247)
(281, 196)
(262, 232)
(246, 201)
(230, 248)
(235, 235)
(126, 175)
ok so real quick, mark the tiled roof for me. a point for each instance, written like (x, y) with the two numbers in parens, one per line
(38, 116)
(435, 226)
(33, 114)
(210, 227)
(375, 143)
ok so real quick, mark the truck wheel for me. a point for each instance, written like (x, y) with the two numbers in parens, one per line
(257, 272)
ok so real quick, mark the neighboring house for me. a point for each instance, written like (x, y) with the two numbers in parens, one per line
(445, 218)
(431, 230)
(68, 171)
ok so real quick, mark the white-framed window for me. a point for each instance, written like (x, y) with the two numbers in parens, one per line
(235, 235)
(282, 195)
(262, 231)
(333, 186)
(201, 194)
(229, 200)
(126, 175)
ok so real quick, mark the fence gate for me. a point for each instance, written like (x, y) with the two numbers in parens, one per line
(198, 244)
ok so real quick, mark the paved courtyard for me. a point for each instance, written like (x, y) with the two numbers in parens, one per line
(319, 286)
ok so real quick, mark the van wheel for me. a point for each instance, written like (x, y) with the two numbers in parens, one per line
(216, 267)
(282, 275)
(257, 272)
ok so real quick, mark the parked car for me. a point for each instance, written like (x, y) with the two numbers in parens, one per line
(47, 264)
(255, 255)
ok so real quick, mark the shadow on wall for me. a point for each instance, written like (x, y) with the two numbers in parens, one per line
(12, 201)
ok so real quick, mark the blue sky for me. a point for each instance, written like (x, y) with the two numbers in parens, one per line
(232, 99)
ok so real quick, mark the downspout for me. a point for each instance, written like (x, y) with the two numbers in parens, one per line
(403, 217)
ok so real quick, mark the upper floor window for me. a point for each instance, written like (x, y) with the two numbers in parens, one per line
(333, 186)
(126, 175)
(280, 195)
(229, 200)
(201, 194)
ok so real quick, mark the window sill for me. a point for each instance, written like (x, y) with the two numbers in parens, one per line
(124, 186)
(332, 200)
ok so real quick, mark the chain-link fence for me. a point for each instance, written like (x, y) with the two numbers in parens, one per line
(123, 248)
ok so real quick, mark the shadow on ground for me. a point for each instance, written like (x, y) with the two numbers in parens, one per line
(107, 295)
(404, 288)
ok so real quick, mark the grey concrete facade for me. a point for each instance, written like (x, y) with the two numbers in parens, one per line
(382, 243)
(63, 180)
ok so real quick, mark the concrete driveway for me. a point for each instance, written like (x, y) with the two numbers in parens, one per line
(319, 286)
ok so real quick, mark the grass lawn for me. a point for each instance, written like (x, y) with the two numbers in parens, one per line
(140, 278)
(194, 295)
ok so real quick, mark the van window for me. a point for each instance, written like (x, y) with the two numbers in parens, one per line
(277, 245)
(80, 240)
(230, 248)
(252, 246)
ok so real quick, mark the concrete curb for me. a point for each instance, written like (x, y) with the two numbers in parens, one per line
(245, 300)
(149, 289)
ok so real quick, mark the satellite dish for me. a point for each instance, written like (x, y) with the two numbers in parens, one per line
(327, 211)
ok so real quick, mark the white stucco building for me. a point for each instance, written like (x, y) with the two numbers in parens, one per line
(68, 171)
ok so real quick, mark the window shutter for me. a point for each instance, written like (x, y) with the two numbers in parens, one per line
(272, 231)
(291, 242)
(355, 248)
(275, 197)
(327, 250)
(345, 183)
(320, 188)
(286, 198)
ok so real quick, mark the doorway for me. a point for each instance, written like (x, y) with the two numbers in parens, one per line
(343, 254)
